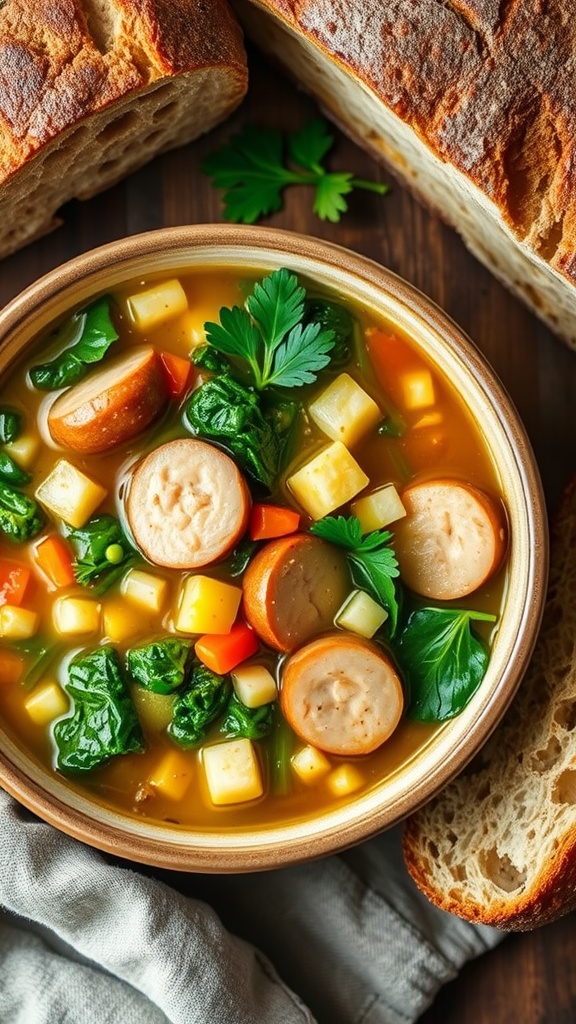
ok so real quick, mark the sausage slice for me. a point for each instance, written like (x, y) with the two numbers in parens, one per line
(187, 504)
(452, 539)
(342, 695)
(112, 405)
(293, 588)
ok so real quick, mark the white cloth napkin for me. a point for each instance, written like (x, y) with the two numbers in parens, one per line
(345, 940)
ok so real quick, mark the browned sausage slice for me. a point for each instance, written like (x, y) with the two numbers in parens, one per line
(112, 405)
(452, 539)
(293, 588)
(187, 504)
(342, 695)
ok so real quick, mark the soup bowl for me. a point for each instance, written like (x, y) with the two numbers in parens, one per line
(258, 833)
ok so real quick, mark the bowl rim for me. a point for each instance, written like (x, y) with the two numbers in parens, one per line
(279, 846)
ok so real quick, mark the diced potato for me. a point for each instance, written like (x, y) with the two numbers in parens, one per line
(327, 481)
(361, 614)
(70, 494)
(76, 615)
(163, 301)
(120, 620)
(418, 389)
(193, 325)
(17, 623)
(46, 702)
(153, 709)
(344, 780)
(207, 605)
(379, 509)
(144, 589)
(344, 411)
(254, 685)
(24, 449)
(172, 775)
(232, 772)
(310, 764)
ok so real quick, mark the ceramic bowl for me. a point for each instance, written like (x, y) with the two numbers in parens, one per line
(452, 746)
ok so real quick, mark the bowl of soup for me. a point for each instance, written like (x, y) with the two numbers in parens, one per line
(272, 548)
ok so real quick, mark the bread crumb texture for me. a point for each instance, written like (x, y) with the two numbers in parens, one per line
(92, 89)
(498, 845)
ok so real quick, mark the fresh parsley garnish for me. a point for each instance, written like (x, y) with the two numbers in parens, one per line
(102, 550)
(269, 333)
(258, 164)
(444, 660)
(372, 562)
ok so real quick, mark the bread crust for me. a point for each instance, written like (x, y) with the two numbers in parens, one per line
(498, 845)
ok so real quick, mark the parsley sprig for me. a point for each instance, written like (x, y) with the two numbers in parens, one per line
(269, 333)
(372, 562)
(257, 165)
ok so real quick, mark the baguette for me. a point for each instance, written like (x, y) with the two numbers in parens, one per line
(90, 90)
(498, 845)
(471, 105)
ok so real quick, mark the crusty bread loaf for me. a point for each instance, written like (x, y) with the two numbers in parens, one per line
(92, 89)
(470, 102)
(498, 845)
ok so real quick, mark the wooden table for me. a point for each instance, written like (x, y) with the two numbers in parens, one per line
(529, 978)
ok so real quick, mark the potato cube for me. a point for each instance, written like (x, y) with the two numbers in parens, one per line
(70, 494)
(207, 605)
(17, 623)
(24, 449)
(327, 481)
(154, 710)
(310, 764)
(144, 589)
(161, 302)
(361, 614)
(120, 620)
(46, 702)
(72, 615)
(232, 772)
(418, 389)
(254, 685)
(379, 509)
(172, 775)
(344, 411)
(344, 780)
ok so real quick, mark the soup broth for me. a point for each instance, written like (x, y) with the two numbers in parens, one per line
(94, 588)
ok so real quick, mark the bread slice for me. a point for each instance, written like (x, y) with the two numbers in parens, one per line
(473, 107)
(498, 845)
(92, 89)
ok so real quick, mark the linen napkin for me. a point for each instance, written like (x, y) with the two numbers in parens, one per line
(85, 939)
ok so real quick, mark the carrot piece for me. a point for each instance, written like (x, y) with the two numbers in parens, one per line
(14, 578)
(222, 652)
(178, 373)
(269, 521)
(11, 667)
(55, 560)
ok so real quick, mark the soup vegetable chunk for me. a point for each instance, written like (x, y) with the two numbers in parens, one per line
(252, 549)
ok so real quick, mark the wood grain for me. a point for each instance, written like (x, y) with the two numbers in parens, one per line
(529, 978)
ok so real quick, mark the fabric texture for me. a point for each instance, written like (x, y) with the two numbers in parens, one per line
(345, 940)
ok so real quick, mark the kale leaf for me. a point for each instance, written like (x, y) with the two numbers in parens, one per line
(102, 552)
(21, 518)
(85, 338)
(10, 425)
(160, 666)
(11, 472)
(203, 701)
(251, 723)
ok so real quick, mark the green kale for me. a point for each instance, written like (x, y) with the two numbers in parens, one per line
(10, 425)
(83, 339)
(102, 552)
(21, 517)
(249, 723)
(11, 472)
(160, 666)
(333, 317)
(198, 706)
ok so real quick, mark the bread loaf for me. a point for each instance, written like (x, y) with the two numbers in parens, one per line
(498, 845)
(92, 89)
(470, 102)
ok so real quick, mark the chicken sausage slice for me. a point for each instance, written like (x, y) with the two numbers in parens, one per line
(293, 588)
(342, 695)
(452, 539)
(187, 504)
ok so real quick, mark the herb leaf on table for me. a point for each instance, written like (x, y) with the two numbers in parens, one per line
(259, 163)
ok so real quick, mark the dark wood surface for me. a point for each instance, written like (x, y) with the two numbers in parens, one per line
(529, 978)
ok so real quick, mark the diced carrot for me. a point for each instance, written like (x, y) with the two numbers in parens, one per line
(11, 667)
(178, 373)
(54, 558)
(269, 521)
(222, 652)
(14, 578)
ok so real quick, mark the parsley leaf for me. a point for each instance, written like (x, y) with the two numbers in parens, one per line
(257, 164)
(372, 562)
(444, 661)
(269, 333)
